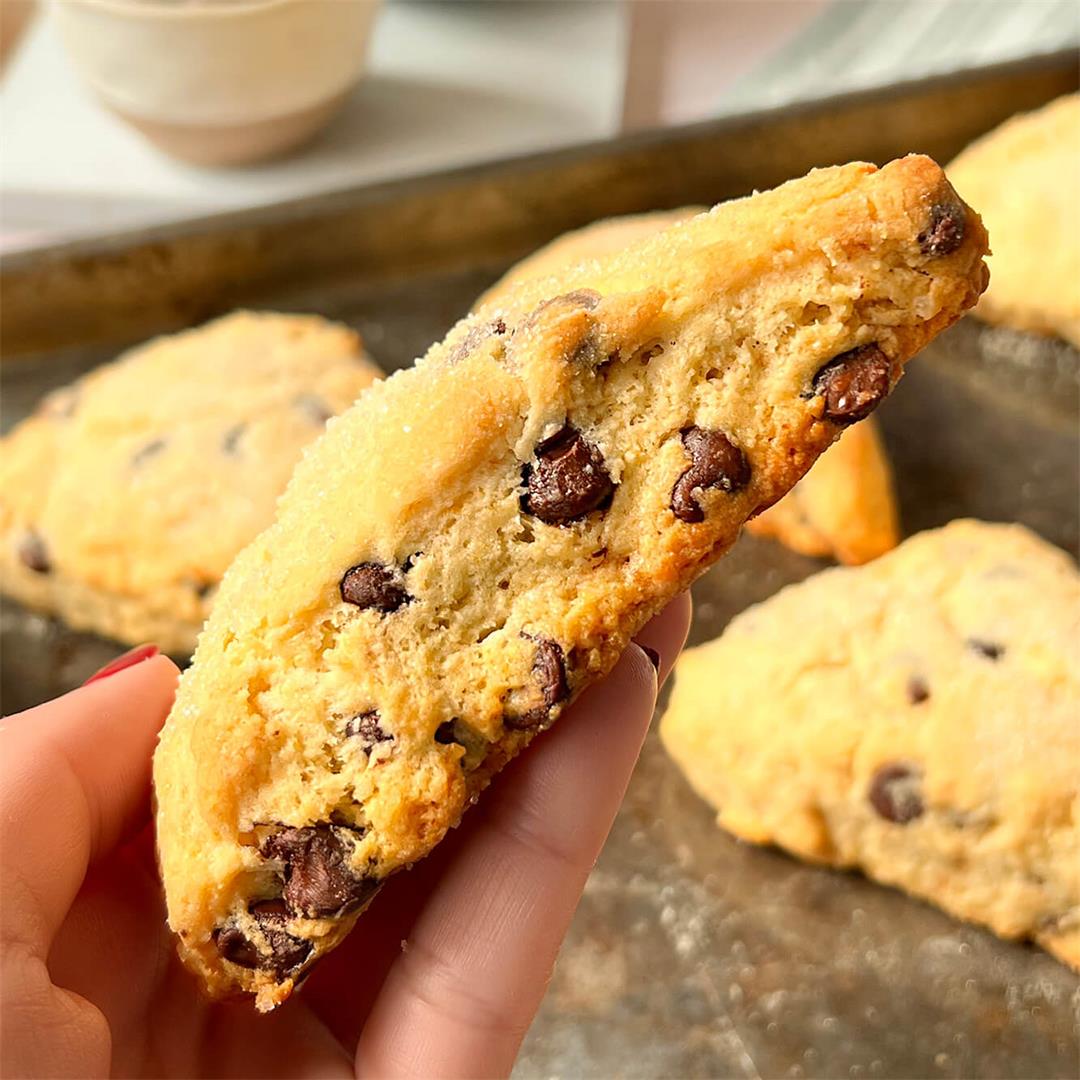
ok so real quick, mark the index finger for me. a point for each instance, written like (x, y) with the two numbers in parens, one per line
(74, 781)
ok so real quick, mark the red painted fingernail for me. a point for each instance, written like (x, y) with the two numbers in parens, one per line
(126, 660)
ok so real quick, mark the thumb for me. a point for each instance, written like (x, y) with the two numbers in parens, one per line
(74, 782)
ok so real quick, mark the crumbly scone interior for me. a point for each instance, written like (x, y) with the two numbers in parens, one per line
(421, 607)
(927, 727)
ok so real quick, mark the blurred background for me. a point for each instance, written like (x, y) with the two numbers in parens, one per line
(104, 103)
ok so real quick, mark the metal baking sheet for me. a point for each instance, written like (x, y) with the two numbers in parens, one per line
(692, 954)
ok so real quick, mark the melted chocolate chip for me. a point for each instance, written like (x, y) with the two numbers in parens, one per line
(446, 733)
(917, 690)
(854, 384)
(314, 408)
(945, 232)
(549, 672)
(567, 481)
(990, 649)
(33, 553)
(145, 453)
(715, 462)
(286, 952)
(365, 727)
(319, 883)
(896, 793)
(371, 585)
(234, 947)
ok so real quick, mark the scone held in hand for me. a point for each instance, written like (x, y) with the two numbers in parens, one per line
(478, 539)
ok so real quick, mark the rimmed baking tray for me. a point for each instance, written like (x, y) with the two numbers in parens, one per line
(692, 954)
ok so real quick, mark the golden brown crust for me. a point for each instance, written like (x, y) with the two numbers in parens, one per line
(844, 507)
(604, 237)
(479, 537)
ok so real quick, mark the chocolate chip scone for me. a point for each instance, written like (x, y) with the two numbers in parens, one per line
(917, 718)
(1025, 177)
(480, 536)
(845, 506)
(125, 496)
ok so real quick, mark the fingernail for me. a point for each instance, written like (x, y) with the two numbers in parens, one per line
(126, 660)
(652, 654)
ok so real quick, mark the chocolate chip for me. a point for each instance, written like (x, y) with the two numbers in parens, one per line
(286, 952)
(33, 553)
(366, 728)
(854, 384)
(917, 690)
(230, 441)
(234, 947)
(456, 732)
(314, 408)
(568, 480)
(652, 654)
(715, 462)
(991, 650)
(319, 883)
(896, 793)
(144, 453)
(446, 733)
(370, 585)
(549, 672)
(945, 233)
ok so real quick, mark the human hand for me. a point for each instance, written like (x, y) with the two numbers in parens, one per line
(442, 975)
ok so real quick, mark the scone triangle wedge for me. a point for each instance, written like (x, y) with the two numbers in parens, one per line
(479, 537)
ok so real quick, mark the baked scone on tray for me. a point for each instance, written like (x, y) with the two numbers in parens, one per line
(125, 495)
(1025, 178)
(479, 537)
(917, 719)
(845, 506)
